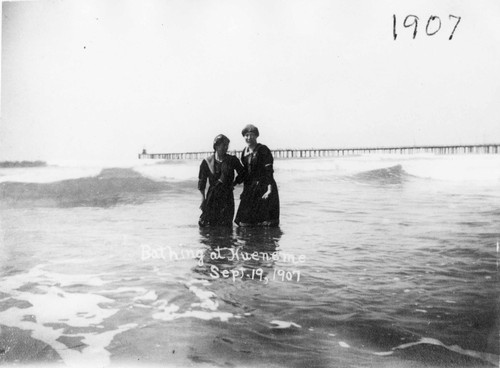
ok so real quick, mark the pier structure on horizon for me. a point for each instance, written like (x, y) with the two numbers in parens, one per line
(336, 152)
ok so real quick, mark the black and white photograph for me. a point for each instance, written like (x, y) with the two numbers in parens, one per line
(250, 183)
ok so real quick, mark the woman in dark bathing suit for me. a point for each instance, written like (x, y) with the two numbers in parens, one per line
(260, 203)
(217, 204)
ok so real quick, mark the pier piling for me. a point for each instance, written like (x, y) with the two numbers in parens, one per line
(335, 152)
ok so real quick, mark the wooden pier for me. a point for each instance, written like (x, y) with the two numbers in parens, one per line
(339, 152)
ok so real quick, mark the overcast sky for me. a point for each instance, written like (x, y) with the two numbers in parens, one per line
(91, 79)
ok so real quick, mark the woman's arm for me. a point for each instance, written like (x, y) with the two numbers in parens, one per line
(267, 162)
(202, 199)
(202, 181)
(240, 170)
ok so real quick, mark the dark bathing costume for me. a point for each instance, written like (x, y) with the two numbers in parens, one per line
(218, 207)
(254, 210)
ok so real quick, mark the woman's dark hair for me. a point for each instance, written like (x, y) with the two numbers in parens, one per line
(220, 139)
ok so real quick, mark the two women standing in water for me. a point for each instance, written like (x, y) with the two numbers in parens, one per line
(259, 204)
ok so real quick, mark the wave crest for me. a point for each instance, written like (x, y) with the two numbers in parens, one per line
(111, 187)
(388, 175)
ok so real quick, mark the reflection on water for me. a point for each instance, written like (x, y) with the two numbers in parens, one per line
(260, 238)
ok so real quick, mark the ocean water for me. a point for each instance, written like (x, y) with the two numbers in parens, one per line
(379, 261)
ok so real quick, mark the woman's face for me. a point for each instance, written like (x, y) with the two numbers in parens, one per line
(222, 148)
(251, 138)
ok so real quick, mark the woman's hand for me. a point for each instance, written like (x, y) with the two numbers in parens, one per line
(266, 195)
(202, 205)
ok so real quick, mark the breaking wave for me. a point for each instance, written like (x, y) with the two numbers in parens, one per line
(429, 350)
(389, 175)
(109, 188)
